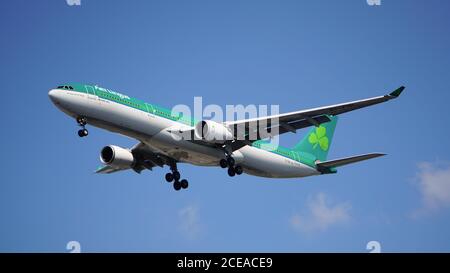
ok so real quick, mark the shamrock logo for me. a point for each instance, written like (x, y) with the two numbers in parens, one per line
(319, 138)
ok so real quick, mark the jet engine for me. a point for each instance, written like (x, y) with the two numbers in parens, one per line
(212, 131)
(117, 157)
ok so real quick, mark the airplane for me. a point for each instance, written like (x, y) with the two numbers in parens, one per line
(162, 140)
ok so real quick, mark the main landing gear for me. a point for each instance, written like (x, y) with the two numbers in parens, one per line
(174, 177)
(233, 169)
(82, 123)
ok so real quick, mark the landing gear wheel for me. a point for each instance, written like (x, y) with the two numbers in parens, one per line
(169, 177)
(177, 185)
(223, 163)
(83, 132)
(81, 121)
(176, 175)
(230, 161)
(184, 184)
(238, 170)
(231, 172)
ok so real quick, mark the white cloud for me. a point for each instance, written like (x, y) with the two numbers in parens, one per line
(189, 221)
(434, 186)
(320, 215)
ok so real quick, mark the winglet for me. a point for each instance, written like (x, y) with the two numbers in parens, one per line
(397, 92)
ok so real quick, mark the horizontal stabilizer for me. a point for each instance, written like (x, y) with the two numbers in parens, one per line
(348, 160)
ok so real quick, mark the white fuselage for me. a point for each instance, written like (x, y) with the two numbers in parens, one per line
(154, 131)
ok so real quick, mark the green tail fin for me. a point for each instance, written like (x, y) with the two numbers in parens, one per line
(318, 140)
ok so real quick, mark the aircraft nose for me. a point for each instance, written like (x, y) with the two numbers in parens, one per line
(53, 94)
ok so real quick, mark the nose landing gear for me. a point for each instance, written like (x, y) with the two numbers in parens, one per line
(82, 122)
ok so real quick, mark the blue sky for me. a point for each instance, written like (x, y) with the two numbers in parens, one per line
(297, 54)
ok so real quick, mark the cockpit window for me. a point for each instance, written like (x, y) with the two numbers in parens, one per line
(65, 87)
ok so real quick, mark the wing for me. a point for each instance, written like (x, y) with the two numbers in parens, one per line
(247, 131)
(146, 159)
(290, 122)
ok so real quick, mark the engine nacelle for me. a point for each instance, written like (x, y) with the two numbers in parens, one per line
(117, 157)
(212, 131)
